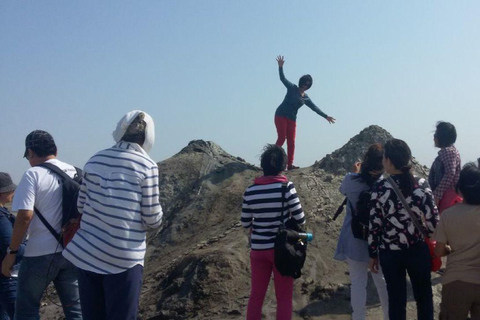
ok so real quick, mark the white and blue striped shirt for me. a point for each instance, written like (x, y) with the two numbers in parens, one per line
(119, 201)
(262, 211)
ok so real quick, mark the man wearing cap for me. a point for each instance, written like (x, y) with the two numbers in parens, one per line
(43, 261)
(119, 199)
(8, 285)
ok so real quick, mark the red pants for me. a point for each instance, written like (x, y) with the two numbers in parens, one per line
(286, 129)
(262, 265)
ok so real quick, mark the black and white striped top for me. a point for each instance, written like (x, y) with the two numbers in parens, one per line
(261, 210)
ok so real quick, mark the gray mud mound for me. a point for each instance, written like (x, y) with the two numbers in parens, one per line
(341, 161)
(197, 264)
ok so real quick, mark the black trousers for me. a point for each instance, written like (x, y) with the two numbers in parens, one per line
(110, 296)
(395, 264)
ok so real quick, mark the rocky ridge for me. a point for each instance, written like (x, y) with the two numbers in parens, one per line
(197, 264)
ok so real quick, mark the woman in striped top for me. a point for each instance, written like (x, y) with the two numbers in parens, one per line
(261, 213)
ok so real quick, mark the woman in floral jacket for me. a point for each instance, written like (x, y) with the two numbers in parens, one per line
(395, 241)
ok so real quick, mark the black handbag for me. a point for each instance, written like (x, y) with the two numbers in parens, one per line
(290, 252)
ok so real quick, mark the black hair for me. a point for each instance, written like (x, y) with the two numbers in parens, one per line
(469, 183)
(273, 160)
(44, 151)
(372, 166)
(398, 152)
(305, 80)
(136, 130)
(446, 134)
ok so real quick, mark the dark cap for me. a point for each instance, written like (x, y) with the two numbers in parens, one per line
(6, 183)
(38, 139)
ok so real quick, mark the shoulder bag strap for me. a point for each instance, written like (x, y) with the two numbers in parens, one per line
(340, 209)
(284, 187)
(407, 207)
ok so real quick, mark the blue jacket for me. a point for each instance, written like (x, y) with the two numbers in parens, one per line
(293, 101)
(7, 220)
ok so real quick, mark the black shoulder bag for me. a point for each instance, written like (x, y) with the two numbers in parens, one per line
(290, 252)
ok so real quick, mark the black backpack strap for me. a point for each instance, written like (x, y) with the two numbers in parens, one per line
(56, 169)
(48, 226)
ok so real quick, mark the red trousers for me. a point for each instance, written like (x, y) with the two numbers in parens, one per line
(263, 265)
(286, 129)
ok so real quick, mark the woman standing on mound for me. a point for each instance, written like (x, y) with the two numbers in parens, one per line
(286, 114)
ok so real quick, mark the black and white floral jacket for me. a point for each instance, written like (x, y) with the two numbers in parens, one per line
(391, 227)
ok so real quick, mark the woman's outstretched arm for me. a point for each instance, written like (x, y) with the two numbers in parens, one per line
(281, 61)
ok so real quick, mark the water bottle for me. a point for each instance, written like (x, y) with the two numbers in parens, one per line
(305, 236)
(299, 236)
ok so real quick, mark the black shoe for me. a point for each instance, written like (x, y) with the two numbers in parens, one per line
(292, 167)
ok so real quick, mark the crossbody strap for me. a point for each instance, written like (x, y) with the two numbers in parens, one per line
(284, 187)
(340, 209)
(407, 207)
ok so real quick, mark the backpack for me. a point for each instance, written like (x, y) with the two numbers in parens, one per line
(70, 215)
(361, 215)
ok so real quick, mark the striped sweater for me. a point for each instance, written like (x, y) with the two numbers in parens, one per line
(261, 211)
(119, 201)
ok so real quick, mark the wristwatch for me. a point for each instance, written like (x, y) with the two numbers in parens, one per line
(10, 251)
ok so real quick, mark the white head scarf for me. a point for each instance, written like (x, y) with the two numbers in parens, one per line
(127, 119)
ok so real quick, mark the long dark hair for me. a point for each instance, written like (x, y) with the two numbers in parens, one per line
(469, 183)
(372, 166)
(400, 155)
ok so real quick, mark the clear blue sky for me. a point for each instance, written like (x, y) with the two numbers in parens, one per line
(207, 70)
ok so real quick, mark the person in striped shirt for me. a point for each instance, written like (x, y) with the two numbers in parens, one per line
(261, 213)
(119, 200)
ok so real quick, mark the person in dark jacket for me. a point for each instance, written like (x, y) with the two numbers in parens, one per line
(286, 114)
(8, 285)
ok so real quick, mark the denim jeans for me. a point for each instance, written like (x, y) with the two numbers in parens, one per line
(8, 295)
(416, 261)
(35, 275)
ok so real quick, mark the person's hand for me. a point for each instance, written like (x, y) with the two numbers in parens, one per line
(331, 119)
(373, 265)
(448, 249)
(8, 263)
(356, 167)
(280, 61)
